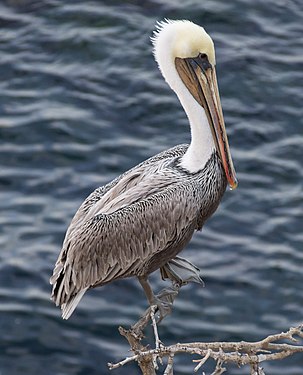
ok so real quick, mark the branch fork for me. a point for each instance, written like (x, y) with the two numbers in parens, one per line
(240, 353)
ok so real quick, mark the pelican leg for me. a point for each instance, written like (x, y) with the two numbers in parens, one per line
(147, 289)
(163, 300)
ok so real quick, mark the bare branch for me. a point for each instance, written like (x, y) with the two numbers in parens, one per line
(202, 361)
(219, 369)
(153, 319)
(240, 353)
(169, 367)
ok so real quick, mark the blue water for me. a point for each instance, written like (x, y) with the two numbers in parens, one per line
(81, 101)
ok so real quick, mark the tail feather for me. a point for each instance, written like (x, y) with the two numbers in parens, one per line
(65, 293)
(69, 307)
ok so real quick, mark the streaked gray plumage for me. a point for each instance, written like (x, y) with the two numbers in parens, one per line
(135, 224)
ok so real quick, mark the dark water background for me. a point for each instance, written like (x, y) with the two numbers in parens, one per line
(82, 100)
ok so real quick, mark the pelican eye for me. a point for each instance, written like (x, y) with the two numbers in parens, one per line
(203, 56)
(202, 61)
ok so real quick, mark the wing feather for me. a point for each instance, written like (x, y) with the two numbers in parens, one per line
(117, 229)
(116, 250)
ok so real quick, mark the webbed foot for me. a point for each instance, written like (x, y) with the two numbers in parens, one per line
(164, 301)
(181, 271)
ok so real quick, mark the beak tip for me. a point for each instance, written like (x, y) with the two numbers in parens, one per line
(233, 184)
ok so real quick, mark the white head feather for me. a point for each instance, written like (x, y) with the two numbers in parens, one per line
(179, 39)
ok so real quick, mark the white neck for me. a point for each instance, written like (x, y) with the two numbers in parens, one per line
(202, 143)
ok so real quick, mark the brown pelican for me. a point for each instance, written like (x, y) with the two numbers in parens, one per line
(140, 221)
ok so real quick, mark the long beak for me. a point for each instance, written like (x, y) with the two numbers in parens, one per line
(199, 76)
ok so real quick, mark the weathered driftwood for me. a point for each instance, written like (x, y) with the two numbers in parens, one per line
(240, 353)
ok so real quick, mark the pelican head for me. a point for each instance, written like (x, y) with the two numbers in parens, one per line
(186, 57)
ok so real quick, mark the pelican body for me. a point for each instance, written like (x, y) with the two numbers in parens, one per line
(140, 221)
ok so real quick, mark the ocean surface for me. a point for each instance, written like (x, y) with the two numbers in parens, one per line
(82, 100)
